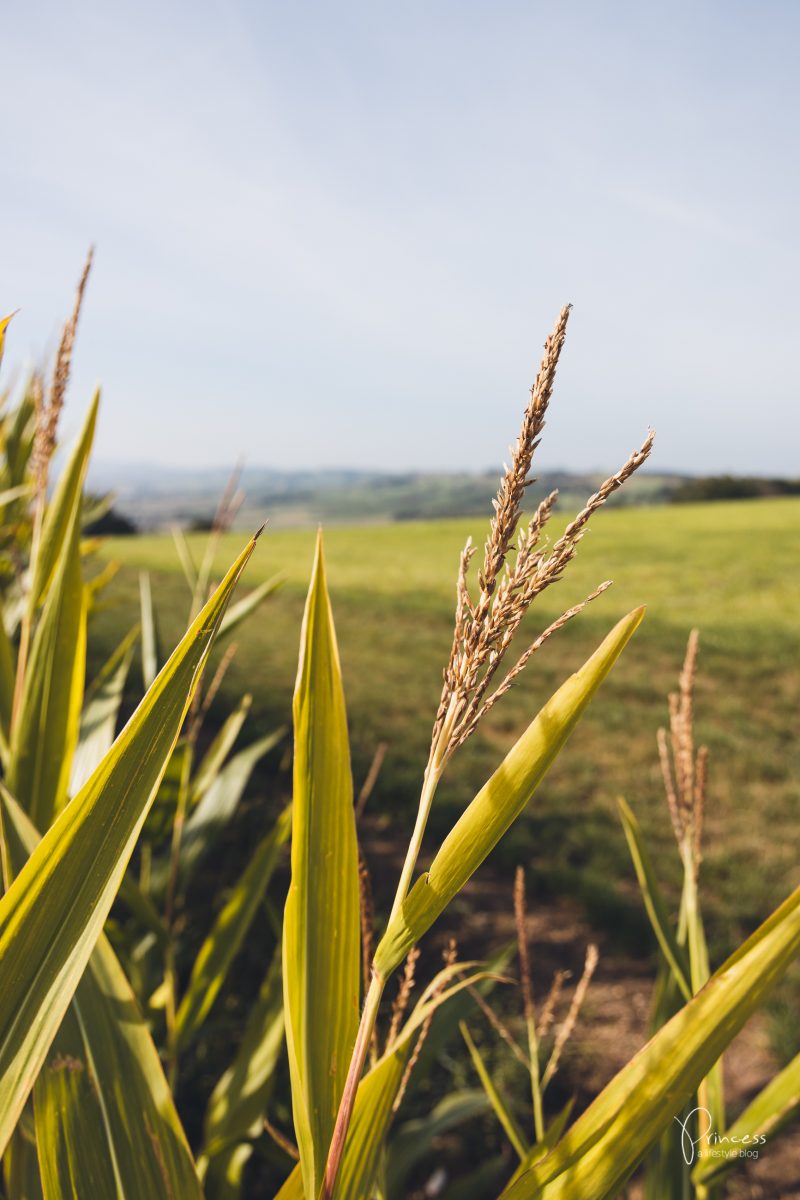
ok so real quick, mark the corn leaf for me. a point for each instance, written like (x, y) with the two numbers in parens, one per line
(4, 323)
(51, 916)
(240, 1098)
(242, 609)
(321, 944)
(46, 730)
(605, 1144)
(212, 814)
(21, 1164)
(8, 670)
(415, 1140)
(654, 902)
(103, 1107)
(214, 758)
(64, 508)
(765, 1117)
(185, 558)
(376, 1095)
(501, 1109)
(149, 631)
(500, 801)
(229, 931)
(98, 720)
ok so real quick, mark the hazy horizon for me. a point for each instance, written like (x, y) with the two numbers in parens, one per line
(332, 236)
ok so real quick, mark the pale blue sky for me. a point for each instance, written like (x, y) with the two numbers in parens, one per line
(336, 234)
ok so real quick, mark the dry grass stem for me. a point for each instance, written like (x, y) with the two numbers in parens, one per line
(219, 675)
(280, 1139)
(500, 1027)
(522, 943)
(450, 955)
(551, 1002)
(368, 785)
(508, 585)
(567, 1028)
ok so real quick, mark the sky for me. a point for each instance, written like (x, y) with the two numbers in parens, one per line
(337, 234)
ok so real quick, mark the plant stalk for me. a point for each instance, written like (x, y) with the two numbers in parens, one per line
(369, 1016)
(372, 1000)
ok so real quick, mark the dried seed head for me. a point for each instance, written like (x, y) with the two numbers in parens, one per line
(485, 627)
(403, 995)
(450, 955)
(683, 771)
(566, 1030)
(551, 1001)
(49, 411)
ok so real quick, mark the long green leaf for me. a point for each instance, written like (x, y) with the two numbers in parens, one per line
(98, 721)
(321, 925)
(21, 1164)
(242, 609)
(654, 902)
(500, 801)
(46, 730)
(240, 1098)
(8, 670)
(216, 808)
(229, 931)
(501, 1109)
(376, 1095)
(149, 630)
(103, 1107)
(414, 1141)
(214, 758)
(64, 508)
(764, 1118)
(605, 1144)
(51, 916)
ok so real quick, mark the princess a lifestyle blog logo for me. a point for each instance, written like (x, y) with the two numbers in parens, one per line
(699, 1139)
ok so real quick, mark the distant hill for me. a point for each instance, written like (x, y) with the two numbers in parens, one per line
(156, 497)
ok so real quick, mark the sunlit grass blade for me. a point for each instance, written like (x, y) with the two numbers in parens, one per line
(500, 801)
(655, 905)
(207, 821)
(242, 609)
(240, 1098)
(229, 931)
(214, 758)
(98, 720)
(185, 558)
(64, 508)
(51, 916)
(499, 1105)
(605, 1144)
(149, 631)
(45, 732)
(321, 933)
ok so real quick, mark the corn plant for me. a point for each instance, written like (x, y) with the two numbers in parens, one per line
(699, 1149)
(53, 740)
(86, 1109)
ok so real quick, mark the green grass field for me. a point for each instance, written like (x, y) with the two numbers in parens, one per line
(733, 570)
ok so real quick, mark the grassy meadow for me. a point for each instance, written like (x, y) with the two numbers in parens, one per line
(732, 570)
